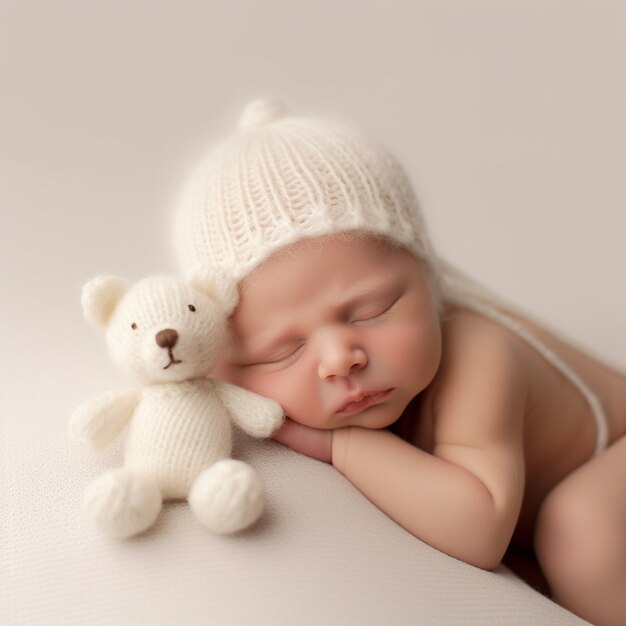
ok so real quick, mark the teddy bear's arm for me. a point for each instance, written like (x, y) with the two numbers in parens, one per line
(256, 415)
(98, 421)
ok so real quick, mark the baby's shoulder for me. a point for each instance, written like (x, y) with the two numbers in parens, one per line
(468, 337)
(482, 370)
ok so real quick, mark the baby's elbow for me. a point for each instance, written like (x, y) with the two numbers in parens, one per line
(489, 536)
(485, 556)
(485, 547)
(481, 546)
(488, 560)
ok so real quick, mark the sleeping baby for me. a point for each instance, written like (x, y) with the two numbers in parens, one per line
(466, 422)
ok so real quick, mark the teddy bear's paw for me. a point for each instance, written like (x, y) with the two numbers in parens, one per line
(227, 497)
(123, 504)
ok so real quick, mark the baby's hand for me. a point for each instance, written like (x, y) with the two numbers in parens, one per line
(313, 442)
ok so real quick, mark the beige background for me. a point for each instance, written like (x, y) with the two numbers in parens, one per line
(509, 116)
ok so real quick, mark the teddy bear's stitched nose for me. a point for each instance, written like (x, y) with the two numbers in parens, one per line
(166, 338)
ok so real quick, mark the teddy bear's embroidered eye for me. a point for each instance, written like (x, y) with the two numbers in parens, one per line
(133, 326)
(192, 308)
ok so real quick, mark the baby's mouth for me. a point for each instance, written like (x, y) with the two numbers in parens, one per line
(364, 400)
(173, 361)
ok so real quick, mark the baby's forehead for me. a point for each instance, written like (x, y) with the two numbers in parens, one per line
(314, 276)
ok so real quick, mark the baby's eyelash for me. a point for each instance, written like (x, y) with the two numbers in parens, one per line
(286, 360)
(376, 315)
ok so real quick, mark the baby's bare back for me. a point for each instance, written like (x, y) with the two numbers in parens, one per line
(559, 429)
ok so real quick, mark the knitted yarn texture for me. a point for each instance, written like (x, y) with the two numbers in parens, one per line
(283, 178)
(166, 333)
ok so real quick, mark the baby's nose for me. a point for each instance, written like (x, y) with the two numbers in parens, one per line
(341, 362)
(166, 338)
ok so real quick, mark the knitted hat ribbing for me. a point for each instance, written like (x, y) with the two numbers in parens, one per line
(281, 179)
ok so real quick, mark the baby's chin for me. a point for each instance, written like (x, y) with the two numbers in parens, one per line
(374, 418)
(373, 422)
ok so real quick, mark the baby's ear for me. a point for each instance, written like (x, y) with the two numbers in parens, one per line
(216, 283)
(100, 297)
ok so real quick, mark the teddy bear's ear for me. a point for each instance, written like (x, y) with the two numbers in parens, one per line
(100, 297)
(216, 283)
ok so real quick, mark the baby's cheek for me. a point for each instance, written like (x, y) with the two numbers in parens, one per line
(296, 393)
(427, 354)
(246, 377)
(221, 371)
(414, 350)
(292, 395)
(279, 386)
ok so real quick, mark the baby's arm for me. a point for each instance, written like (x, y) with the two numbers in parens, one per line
(465, 498)
(470, 516)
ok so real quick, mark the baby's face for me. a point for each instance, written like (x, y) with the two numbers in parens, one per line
(340, 331)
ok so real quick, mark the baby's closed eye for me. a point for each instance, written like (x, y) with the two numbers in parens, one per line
(278, 359)
(372, 312)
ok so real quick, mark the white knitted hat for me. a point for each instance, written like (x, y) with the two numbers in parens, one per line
(284, 178)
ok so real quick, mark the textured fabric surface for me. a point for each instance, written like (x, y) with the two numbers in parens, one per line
(321, 554)
(516, 151)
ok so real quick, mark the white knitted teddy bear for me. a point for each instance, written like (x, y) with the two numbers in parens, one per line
(166, 333)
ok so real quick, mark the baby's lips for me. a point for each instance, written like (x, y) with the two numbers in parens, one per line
(364, 399)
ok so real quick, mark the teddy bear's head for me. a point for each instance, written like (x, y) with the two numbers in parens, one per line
(162, 328)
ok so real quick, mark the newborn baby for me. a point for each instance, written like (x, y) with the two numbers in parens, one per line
(470, 426)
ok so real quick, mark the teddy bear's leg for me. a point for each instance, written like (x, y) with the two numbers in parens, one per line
(123, 503)
(227, 497)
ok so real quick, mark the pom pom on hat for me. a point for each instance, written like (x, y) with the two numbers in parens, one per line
(261, 112)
